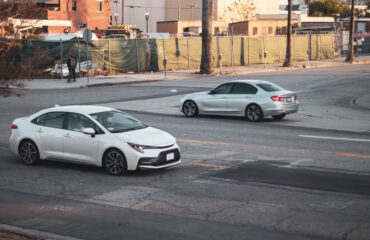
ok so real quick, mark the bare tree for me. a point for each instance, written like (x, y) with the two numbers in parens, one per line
(206, 61)
(350, 51)
(288, 54)
(239, 10)
(14, 30)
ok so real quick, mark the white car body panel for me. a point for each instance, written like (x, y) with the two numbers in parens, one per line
(76, 146)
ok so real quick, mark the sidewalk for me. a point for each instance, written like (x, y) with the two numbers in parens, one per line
(133, 78)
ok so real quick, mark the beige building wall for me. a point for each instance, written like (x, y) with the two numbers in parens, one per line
(261, 27)
(176, 28)
(136, 15)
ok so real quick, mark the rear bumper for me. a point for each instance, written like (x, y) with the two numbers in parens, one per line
(278, 110)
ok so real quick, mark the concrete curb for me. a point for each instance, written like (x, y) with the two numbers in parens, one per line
(33, 234)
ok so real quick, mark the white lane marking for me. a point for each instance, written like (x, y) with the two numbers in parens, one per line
(335, 138)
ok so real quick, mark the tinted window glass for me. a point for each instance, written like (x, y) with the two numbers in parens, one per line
(243, 88)
(269, 87)
(116, 122)
(40, 120)
(54, 120)
(77, 122)
(223, 89)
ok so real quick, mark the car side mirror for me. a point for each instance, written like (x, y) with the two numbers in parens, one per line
(89, 131)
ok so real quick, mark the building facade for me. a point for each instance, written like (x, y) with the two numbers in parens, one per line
(91, 14)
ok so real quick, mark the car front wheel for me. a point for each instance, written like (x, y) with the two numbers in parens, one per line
(114, 162)
(29, 152)
(190, 109)
(253, 113)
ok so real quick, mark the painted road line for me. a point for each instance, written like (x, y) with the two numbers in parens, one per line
(336, 138)
(210, 165)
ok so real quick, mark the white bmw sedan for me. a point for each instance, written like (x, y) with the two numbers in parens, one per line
(93, 135)
(254, 99)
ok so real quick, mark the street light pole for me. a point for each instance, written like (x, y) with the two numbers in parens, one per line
(178, 10)
(147, 14)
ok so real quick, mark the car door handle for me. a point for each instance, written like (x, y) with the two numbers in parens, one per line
(67, 135)
(39, 130)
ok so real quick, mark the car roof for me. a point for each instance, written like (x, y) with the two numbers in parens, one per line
(251, 81)
(83, 109)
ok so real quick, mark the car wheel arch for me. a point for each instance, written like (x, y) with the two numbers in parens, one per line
(111, 148)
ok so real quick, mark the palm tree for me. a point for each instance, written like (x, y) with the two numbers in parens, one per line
(206, 61)
(288, 55)
(350, 51)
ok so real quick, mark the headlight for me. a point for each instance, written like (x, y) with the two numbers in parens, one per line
(141, 148)
(137, 147)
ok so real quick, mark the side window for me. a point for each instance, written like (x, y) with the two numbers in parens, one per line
(40, 120)
(54, 120)
(243, 88)
(223, 89)
(77, 122)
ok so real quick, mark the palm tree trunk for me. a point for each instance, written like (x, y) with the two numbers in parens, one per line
(350, 51)
(206, 61)
(288, 55)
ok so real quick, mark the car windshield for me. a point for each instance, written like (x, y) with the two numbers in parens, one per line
(116, 122)
(269, 87)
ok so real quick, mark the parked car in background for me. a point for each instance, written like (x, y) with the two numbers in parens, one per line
(254, 99)
(93, 135)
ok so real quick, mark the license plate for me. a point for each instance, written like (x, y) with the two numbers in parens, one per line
(288, 99)
(170, 156)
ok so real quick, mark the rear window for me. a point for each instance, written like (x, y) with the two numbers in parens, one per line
(269, 87)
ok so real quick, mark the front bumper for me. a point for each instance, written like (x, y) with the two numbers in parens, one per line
(162, 161)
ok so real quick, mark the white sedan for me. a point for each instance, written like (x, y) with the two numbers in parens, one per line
(93, 135)
(254, 99)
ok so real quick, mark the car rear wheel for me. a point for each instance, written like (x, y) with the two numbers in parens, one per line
(190, 109)
(278, 117)
(29, 152)
(253, 113)
(114, 162)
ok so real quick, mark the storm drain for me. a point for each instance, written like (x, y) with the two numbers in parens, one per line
(277, 173)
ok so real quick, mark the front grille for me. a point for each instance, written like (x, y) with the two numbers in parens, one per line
(161, 159)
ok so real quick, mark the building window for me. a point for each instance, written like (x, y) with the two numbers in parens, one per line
(100, 6)
(74, 5)
(255, 31)
(270, 30)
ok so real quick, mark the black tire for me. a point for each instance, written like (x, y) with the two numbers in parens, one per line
(279, 117)
(190, 109)
(114, 162)
(253, 113)
(29, 152)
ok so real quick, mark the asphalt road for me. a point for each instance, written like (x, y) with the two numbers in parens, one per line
(238, 180)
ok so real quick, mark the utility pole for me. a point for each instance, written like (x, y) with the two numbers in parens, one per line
(288, 55)
(206, 61)
(178, 10)
(192, 6)
(132, 12)
(350, 51)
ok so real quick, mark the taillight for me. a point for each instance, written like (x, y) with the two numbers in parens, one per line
(13, 126)
(278, 99)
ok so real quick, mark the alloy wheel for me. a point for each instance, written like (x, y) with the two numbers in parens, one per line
(29, 153)
(114, 162)
(254, 113)
(190, 109)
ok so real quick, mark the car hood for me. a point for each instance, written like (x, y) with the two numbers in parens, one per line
(197, 94)
(147, 136)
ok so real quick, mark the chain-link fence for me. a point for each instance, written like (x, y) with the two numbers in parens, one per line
(139, 55)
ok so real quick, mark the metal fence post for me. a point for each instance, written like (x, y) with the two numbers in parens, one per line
(79, 56)
(61, 58)
(232, 49)
(137, 55)
(109, 56)
(248, 50)
(187, 46)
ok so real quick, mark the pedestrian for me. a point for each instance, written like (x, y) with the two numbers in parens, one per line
(72, 63)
